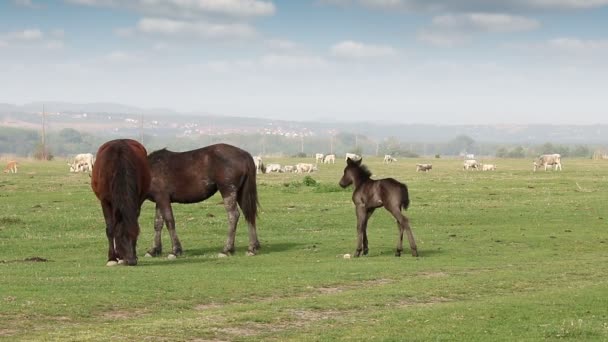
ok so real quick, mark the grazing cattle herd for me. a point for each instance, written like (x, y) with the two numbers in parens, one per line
(123, 175)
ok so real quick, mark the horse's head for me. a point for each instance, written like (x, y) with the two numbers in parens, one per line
(351, 172)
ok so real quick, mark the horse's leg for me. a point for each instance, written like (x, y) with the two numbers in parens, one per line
(365, 246)
(254, 243)
(107, 215)
(167, 213)
(362, 217)
(157, 246)
(230, 203)
(403, 223)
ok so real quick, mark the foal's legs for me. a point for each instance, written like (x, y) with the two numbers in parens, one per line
(230, 203)
(404, 225)
(362, 217)
(370, 211)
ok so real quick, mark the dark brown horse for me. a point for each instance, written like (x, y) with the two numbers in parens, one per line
(194, 176)
(370, 194)
(120, 180)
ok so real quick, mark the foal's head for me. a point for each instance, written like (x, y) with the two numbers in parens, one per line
(354, 172)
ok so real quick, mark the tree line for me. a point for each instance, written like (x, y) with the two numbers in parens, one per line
(68, 142)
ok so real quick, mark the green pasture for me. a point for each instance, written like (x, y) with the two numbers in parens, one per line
(508, 255)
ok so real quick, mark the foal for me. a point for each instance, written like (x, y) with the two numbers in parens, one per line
(370, 194)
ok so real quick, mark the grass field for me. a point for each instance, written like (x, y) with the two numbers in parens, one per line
(505, 255)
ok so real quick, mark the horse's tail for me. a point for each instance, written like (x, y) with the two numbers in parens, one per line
(405, 197)
(125, 194)
(248, 193)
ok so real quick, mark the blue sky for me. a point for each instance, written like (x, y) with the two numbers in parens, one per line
(406, 61)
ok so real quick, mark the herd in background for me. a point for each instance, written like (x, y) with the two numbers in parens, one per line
(83, 162)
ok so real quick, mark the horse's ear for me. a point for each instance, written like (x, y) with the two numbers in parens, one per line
(359, 161)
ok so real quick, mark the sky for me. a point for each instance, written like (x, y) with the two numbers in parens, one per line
(391, 61)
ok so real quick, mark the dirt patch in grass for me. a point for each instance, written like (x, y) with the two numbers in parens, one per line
(30, 259)
(431, 274)
(328, 290)
(412, 302)
(122, 314)
(10, 220)
(7, 332)
(208, 306)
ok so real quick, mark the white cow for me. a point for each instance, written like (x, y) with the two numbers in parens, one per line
(273, 168)
(259, 166)
(488, 167)
(329, 158)
(83, 162)
(389, 159)
(470, 164)
(319, 157)
(548, 160)
(305, 167)
(11, 167)
(352, 156)
(289, 168)
(423, 167)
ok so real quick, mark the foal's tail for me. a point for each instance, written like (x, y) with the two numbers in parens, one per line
(405, 198)
(248, 193)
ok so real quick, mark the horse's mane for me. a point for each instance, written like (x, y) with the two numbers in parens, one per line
(364, 171)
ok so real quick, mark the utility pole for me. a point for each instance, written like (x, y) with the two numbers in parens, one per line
(44, 156)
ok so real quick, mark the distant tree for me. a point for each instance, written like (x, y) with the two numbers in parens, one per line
(502, 152)
(547, 148)
(461, 144)
(517, 152)
(581, 151)
(70, 135)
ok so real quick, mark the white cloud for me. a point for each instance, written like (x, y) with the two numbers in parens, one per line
(485, 22)
(274, 61)
(578, 45)
(31, 38)
(119, 57)
(442, 38)
(27, 3)
(281, 44)
(470, 5)
(25, 35)
(357, 50)
(456, 29)
(189, 8)
(198, 29)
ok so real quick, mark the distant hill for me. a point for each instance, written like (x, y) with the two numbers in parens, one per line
(114, 119)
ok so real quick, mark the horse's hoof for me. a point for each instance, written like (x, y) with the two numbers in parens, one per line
(121, 262)
(346, 256)
(148, 255)
(250, 253)
(171, 257)
(111, 263)
(222, 255)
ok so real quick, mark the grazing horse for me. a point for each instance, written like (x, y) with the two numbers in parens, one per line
(370, 194)
(194, 176)
(120, 180)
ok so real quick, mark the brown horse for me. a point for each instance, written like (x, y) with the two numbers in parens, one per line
(120, 180)
(194, 176)
(370, 194)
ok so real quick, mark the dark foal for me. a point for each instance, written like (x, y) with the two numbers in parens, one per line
(194, 176)
(370, 194)
(120, 179)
